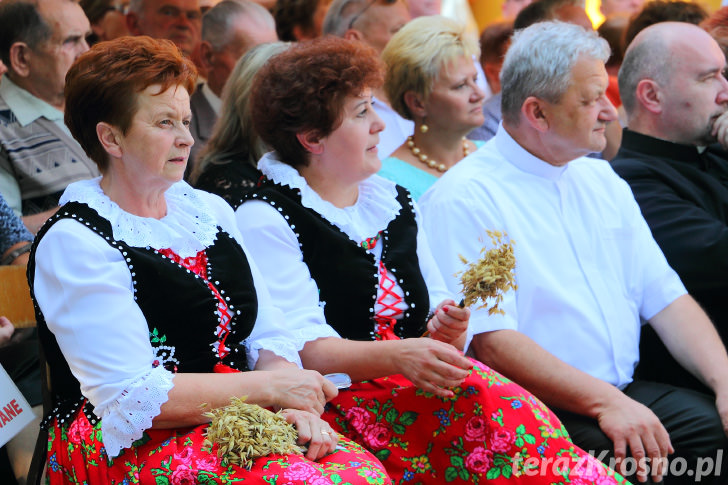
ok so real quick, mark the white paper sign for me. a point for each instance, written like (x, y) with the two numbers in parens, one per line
(15, 412)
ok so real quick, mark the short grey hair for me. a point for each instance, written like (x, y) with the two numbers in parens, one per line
(218, 21)
(540, 60)
(340, 14)
(648, 58)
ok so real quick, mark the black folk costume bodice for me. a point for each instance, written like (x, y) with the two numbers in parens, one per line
(346, 273)
(180, 308)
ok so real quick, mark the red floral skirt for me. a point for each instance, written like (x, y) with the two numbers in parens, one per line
(492, 430)
(178, 457)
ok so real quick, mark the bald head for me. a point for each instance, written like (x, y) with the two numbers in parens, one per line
(671, 82)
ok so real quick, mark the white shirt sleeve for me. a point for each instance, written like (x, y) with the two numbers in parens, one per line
(436, 287)
(275, 249)
(656, 283)
(270, 332)
(453, 228)
(84, 289)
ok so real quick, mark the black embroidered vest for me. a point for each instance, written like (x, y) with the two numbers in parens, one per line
(178, 305)
(345, 273)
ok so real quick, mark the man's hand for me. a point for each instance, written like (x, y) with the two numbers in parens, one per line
(631, 424)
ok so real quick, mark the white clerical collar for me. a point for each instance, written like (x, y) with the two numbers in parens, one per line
(523, 160)
(212, 98)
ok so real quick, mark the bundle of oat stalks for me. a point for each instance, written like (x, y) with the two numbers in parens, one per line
(244, 432)
(488, 278)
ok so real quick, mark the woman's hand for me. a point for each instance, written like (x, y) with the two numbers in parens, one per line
(314, 431)
(431, 365)
(6, 331)
(304, 390)
(449, 323)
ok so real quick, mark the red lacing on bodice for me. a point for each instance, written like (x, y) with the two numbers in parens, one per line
(198, 265)
(385, 318)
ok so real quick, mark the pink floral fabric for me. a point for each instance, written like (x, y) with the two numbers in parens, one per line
(491, 431)
(178, 457)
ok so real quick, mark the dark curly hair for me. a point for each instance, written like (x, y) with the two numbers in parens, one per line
(304, 88)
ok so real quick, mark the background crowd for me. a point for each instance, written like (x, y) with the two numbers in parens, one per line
(261, 192)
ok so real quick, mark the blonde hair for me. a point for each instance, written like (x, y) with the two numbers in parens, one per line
(233, 134)
(415, 55)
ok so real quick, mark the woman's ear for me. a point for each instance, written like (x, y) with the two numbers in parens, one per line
(311, 142)
(415, 104)
(110, 138)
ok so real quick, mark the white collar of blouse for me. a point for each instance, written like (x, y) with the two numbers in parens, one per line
(188, 227)
(372, 212)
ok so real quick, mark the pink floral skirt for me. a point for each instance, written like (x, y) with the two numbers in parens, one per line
(178, 457)
(491, 431)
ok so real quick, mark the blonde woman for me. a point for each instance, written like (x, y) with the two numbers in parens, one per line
(431, 79)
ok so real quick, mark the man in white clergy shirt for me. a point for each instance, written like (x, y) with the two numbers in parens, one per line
(587, 267)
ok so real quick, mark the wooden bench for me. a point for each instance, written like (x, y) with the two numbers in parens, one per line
(15, 302)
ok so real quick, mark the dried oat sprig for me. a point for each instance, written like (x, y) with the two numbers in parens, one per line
(491, 276)
(244, 432)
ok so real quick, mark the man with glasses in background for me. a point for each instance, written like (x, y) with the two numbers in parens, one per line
(177, 20)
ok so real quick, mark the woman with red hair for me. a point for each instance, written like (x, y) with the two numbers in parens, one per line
(343, 257)
(149, 310)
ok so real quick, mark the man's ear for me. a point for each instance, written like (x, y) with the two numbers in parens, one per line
(415, 104)
(534, 110)
(132, 23)
(353, 34)
(206, 54)
(109, 139)
(649, 95)
(311, 142)
(20, 56)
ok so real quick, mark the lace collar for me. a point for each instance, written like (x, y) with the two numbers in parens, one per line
(374, 209)
(187, 228)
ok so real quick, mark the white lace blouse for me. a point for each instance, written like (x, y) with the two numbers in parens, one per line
(84, 288)
(274, 246)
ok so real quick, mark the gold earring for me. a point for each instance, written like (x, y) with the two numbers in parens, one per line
(424, 128)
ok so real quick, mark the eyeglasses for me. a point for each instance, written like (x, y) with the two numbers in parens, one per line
(366, 7)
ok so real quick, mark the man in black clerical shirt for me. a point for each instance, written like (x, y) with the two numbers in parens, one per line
(673, 157)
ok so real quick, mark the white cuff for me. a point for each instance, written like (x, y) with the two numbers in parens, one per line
(125, 420)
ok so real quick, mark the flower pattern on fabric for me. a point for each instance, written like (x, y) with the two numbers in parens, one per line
(163, 354)
(490, 431)
(77, 456)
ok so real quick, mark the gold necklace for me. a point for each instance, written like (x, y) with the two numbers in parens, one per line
(440, 167)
